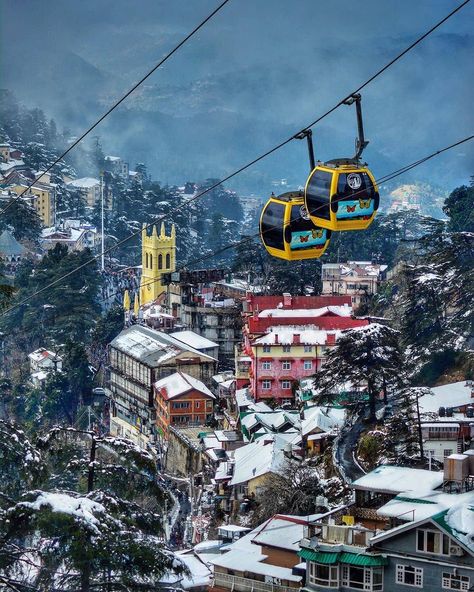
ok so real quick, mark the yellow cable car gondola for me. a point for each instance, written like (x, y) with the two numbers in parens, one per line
(286, 230)
(342, 194)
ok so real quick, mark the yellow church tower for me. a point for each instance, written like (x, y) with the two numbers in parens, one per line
(158, 257)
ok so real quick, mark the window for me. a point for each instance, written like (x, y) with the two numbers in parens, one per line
(447, 452)
(267, 349)
(323, 575)
(151, 261)
(272, 223)
(308, 365)
(318, 191)
(160, 261)
(409, 575)
(432, 541)
(308, 349)
(286, 401)
(362, 578)
(287, 348)
(286, 365)
(198, 404)
(168, 260)
(285, 385)
(454, 582)
(266, 365)
(182, 405)
(266, 385)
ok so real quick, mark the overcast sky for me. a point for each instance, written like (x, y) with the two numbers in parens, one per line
(309, 54)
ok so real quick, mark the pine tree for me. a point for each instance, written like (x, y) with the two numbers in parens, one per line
(368, 359)
(85, 511)
(22, 220)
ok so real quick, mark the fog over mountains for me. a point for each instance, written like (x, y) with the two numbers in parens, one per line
(255, 74)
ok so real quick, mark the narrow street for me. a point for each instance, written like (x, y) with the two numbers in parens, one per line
(346, 447)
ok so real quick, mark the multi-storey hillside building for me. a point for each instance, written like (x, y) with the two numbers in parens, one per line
(139, 357)
(117, 166)
(286, 339)
(41, 196)
(358, 279)
(89, 187)
(182, 401)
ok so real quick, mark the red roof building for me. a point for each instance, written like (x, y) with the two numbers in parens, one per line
(286, 339)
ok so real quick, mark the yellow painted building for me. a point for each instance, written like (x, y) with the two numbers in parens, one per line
(42, 199)
(158, 257)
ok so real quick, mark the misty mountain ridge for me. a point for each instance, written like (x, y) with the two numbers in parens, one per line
(235, 92)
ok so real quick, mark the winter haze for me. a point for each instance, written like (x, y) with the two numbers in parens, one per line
(254, 75)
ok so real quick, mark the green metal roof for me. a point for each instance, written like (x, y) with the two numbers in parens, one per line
(365, 560)
(319, 556)
(413, 500)
(328, 558)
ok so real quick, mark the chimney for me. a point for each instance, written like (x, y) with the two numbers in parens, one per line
(296, 338)
(255, 314)
(276, 337)
(287, 299)
(331, 339)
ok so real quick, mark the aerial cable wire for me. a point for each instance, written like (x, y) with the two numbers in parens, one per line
(121, 100)
(272, 150)
(383, 179)
(247, 239)
(249, 164)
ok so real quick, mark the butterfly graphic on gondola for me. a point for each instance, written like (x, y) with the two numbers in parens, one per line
(317, 233)
(351, 208)
(304, 239)
(364, 203)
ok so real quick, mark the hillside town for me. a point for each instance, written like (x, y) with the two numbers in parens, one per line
(207, 387)
(215, 378)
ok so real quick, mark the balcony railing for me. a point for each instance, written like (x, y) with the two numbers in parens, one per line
(247, 585)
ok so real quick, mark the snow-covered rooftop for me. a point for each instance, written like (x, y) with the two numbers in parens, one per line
(84, 183)
(273, 420)
(284, 335)
(281, 532)
(256, 459)
(413, 505)
(391, 479)
(179, 383)
(322, 419)
(152, 347)
(43, 354)
(194, 340)
(456, 394)
(243, 560)
(199, 576)
(341, 311)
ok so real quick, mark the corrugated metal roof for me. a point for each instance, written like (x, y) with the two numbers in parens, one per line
(319, 556)
(364, 560)
(328, 558)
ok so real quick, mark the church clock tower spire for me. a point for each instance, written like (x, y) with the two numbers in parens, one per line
(158, 257)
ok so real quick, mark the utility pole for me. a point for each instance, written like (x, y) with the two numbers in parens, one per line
(90, 473)
(102, 253)
(420, 434)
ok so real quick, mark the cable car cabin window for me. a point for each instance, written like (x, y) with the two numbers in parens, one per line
(272, 225)
(318, 193)
(355, 196)
(304, 235)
